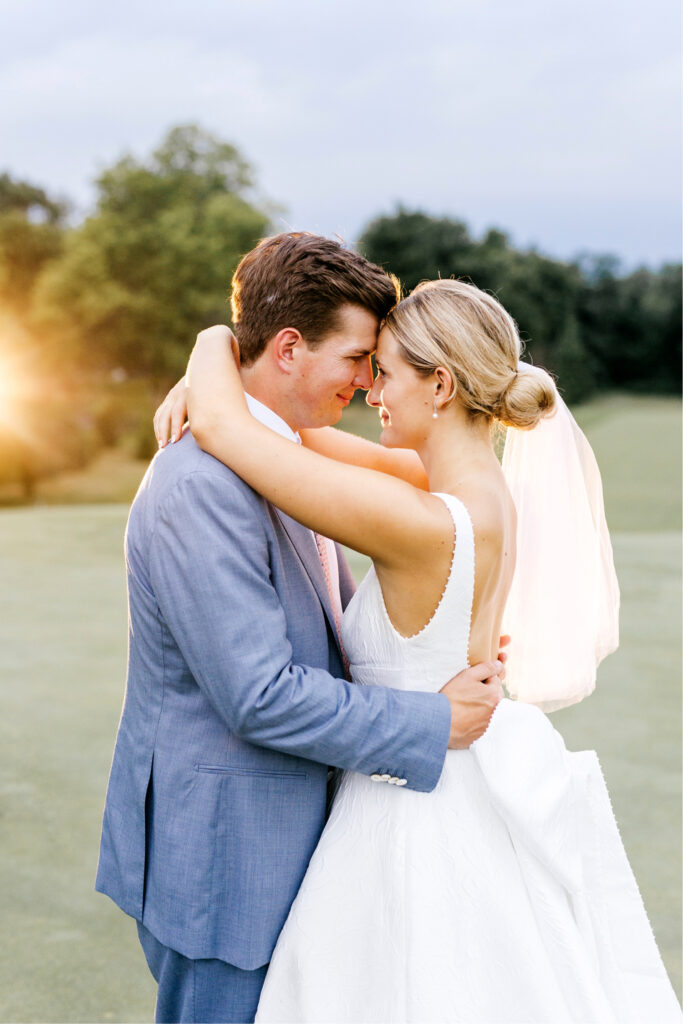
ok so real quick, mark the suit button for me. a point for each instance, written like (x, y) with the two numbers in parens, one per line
(393, 780)
(376, 778)
(401, 782)
(385, 778)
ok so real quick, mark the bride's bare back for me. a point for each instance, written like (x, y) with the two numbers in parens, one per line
(412, 591)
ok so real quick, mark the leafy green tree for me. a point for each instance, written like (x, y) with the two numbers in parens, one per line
(540, 293)
(665, 304)
(46, 424)
(584, 320)
(572, 364)
(152, 265)
(416, 247)
(51, 434)
(632, 326)
(21, 197)
(646, 354)
(31, 235)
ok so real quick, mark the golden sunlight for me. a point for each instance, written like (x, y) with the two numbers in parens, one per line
(8, 394)
(17, 386)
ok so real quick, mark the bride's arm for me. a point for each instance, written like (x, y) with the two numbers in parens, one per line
(357, 451)
(335, 444)
(370, 511)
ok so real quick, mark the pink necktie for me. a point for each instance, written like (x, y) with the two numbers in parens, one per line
(334, 598)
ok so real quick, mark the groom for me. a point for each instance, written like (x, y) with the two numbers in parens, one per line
(236, 698)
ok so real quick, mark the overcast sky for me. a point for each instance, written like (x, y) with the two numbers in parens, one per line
(556, 121)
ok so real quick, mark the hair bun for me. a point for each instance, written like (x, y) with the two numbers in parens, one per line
(529, 396)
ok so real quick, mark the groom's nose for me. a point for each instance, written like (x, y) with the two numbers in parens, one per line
(363, 378)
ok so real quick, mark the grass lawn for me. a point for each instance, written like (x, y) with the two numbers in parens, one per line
(67, 953)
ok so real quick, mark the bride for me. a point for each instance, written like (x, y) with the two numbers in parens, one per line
(505, 894)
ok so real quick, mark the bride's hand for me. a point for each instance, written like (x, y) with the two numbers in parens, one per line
(172, 413)
(215, 395)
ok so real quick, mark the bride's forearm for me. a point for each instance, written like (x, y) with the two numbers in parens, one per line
(215, 396)
(216, 405)
(358, 451)
(372, 512)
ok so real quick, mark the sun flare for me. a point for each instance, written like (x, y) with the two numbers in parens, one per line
(17, 383)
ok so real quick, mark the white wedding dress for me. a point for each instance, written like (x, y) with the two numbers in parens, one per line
(504, 895)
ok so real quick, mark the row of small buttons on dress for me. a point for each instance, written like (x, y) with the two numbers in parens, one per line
(393, 780)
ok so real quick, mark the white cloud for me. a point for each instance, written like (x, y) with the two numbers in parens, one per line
(558, 121)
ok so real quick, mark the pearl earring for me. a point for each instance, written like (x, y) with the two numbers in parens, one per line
(435, 414)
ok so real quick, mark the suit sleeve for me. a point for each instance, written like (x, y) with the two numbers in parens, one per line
(209, 567)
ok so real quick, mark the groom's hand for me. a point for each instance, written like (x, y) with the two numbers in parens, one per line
(473, 695)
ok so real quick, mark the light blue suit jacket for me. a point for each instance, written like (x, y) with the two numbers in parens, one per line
(233, 711)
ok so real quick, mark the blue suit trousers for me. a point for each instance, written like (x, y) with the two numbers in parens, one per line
(200, 991)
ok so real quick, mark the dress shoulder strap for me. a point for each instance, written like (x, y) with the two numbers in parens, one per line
(459, 594)
(462, 521)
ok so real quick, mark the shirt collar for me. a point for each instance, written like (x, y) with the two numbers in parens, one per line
(270, 419)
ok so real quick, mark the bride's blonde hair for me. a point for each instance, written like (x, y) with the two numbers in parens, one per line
(458, 326)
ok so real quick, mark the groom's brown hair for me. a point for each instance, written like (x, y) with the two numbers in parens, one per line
(302, 280)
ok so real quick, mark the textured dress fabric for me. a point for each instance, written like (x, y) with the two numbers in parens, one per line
(504, 895)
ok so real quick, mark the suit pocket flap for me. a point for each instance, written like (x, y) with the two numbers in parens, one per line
(226, 769)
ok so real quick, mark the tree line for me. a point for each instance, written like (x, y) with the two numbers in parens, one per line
(96, 317)
(583, 320)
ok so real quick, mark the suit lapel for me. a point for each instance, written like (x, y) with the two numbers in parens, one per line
(304, 544)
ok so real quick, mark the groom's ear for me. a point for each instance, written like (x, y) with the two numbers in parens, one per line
(284, 348)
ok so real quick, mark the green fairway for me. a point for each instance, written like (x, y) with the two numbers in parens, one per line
(637, 442)
(68, 954)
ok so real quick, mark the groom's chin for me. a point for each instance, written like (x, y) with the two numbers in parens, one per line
(316, 422)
